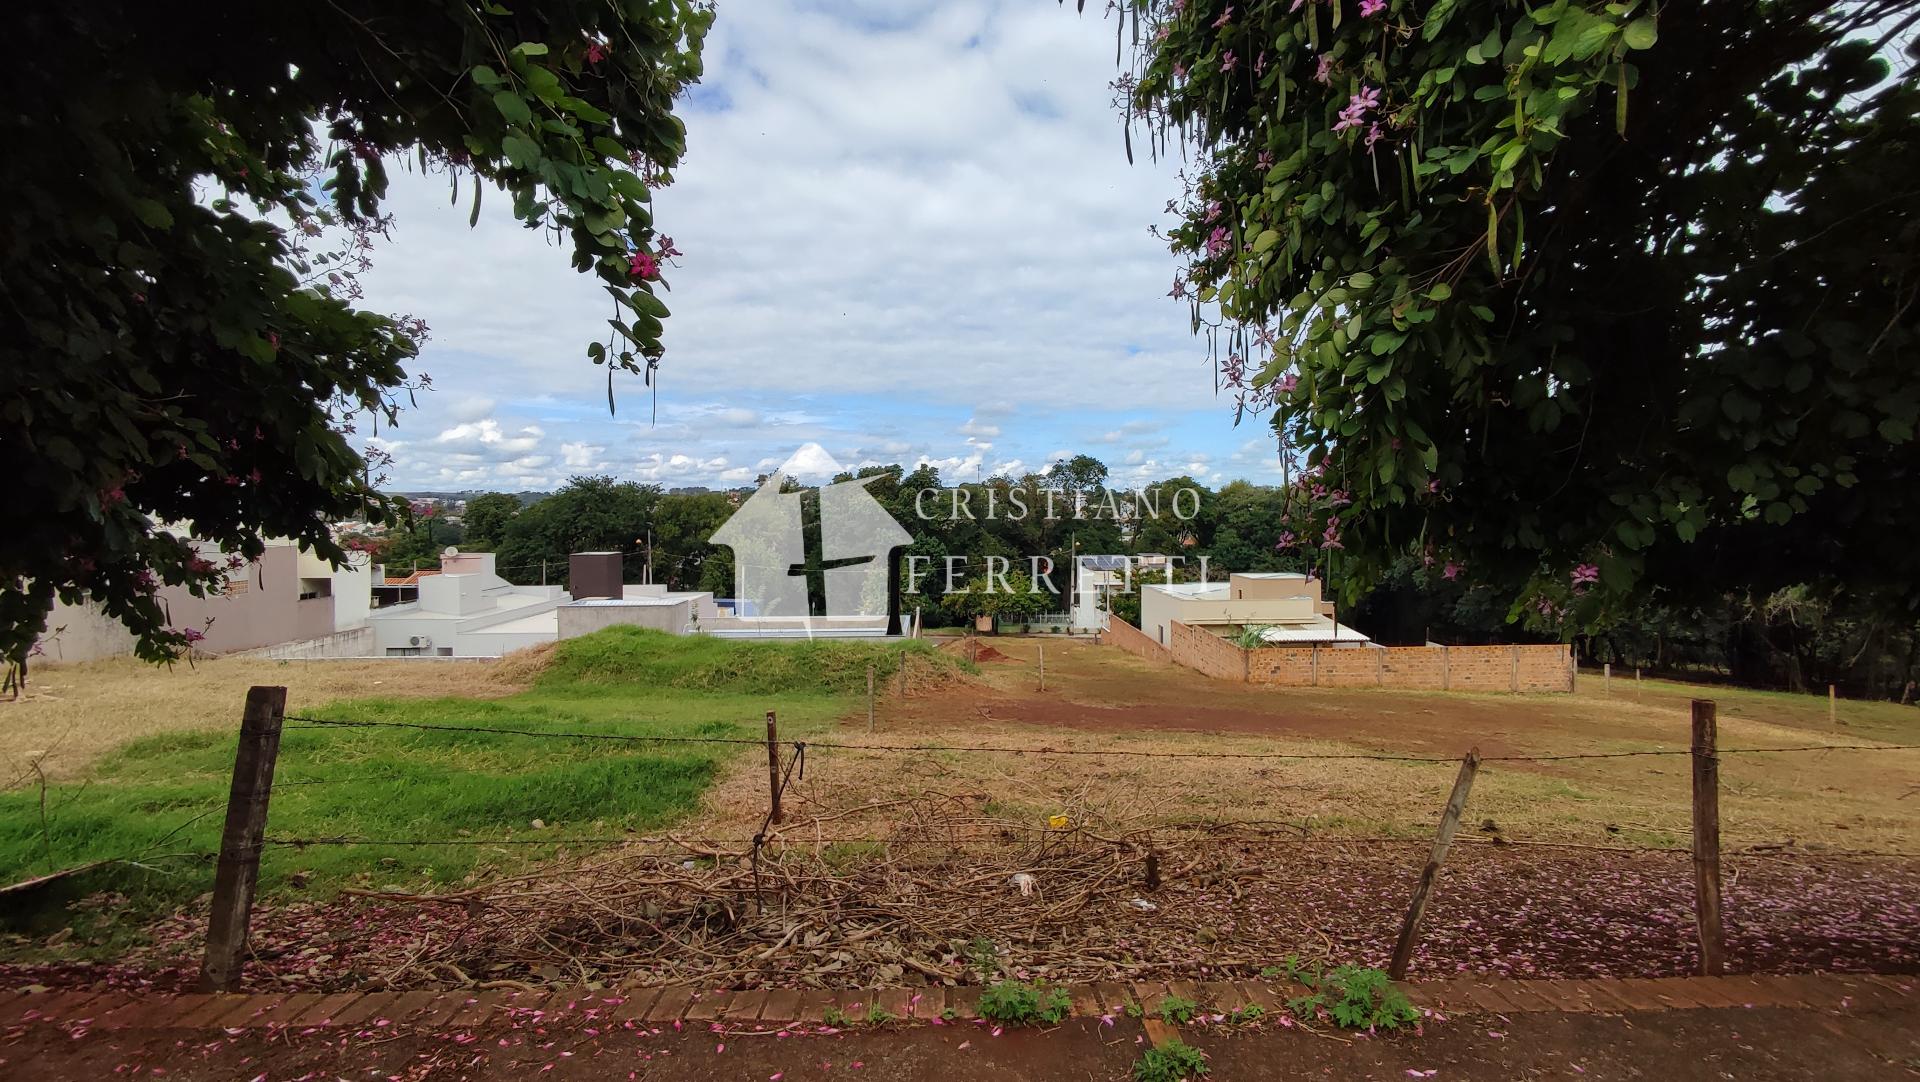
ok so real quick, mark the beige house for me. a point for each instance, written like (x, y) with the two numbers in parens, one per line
(1287, 607)
(284, 596)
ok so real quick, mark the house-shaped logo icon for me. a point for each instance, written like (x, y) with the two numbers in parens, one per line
(772, 572)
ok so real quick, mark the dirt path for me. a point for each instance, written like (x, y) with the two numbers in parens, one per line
(1755, 1045)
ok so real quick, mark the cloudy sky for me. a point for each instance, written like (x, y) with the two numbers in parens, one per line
(911, 235)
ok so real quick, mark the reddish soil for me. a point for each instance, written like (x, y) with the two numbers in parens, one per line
(1434, 735)
(1757, 1045)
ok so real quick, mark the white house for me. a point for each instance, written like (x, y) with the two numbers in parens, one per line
(1287, 607)
(467, 611)
(1095, 580)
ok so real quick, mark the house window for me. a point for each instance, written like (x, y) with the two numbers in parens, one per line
(312, 588)
(1161, 631)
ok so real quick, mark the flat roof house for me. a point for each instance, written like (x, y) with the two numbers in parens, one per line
(1287, 607)
(467, 610)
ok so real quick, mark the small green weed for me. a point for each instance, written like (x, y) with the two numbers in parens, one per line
(1171, 1062)
(984, 958)
(1355, 997)
(1177, 1010)
(1025, 1003)
(1132, 1009)
(1247, 1015)
(835, 1017)
(878, 1015)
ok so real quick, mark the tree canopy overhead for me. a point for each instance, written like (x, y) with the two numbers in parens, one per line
(1585, 298)
(180, 349)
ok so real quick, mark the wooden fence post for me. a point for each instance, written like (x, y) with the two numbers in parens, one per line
(1638, 692)
(241, 840)
(1606, 678)
(869, 696)
(773, 767)
(1043, 666)
(1446, 670)
(1449, 822)
(1706, 837)
(1833, 706)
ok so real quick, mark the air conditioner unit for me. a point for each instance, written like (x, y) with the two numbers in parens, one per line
(420, 640)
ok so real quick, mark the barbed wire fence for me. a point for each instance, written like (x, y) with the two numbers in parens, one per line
(1136, 845)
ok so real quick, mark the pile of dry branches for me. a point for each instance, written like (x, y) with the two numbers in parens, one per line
(815, 908)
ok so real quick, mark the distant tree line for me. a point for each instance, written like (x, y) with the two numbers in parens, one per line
(1797, 638)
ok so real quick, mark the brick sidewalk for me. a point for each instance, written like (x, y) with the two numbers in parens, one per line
(460, 1009)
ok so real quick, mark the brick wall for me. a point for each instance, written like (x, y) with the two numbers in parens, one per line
(1133, 640)
(1203, 651)
(1534, 668)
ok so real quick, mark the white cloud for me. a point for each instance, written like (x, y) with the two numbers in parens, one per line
(912, 235)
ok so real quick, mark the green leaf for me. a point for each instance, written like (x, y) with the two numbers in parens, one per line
(531, 48)
(1360, 280)
(1641, 33)
(1267, 239)
(522, 152)
(151, 213)
(1440, 292)
(513, 107)
(485, 76)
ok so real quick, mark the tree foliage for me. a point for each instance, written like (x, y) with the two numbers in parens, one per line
(1593, 300)
(180, 350)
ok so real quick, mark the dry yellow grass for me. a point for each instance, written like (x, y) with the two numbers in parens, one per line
(72, 714)
(1101, 700)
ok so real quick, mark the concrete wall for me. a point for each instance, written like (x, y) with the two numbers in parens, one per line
(354, 642)
(1523, 668)
(1133, 641)
(577, 620)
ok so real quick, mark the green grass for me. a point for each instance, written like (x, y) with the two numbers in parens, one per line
(158, 798)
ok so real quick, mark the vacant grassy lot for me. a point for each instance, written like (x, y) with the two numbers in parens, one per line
(1098, 699)
(158, 799)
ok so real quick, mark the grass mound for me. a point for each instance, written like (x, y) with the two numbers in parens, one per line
(159, 801)
(622, 657)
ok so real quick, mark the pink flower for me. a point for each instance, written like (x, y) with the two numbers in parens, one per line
(1323, 73)
(1452, 570)
(1370, 8)
(1288, 382)
(1229, 61)
(1219, 242)
(664, 245)
(1179, 70)
(1373, 134)
(1286, 540)
(1355, 114)
(1225, 17)
(597, 52)
(1586, 574)
(1179, 289)
(1161, 34)
(644, 267)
